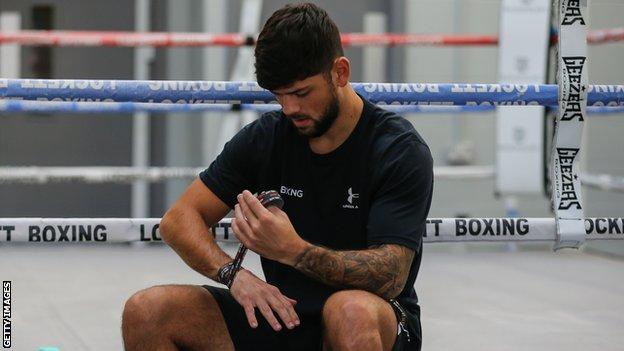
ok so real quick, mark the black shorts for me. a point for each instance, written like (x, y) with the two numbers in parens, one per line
(308, 335)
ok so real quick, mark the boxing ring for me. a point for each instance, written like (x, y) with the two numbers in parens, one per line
(187, 95)
(23, 236)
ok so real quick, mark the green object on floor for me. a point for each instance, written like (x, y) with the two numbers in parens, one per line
(48, 348)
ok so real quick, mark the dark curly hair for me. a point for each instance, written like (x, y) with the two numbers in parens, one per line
(298, 41)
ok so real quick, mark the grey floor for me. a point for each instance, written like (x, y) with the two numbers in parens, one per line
(474, 297)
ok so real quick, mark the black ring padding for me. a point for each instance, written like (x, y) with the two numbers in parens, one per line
(250, 40)
(237, 107)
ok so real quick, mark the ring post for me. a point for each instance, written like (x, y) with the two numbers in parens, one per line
(140, 198)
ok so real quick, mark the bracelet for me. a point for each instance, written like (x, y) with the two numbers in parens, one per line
(226, 274)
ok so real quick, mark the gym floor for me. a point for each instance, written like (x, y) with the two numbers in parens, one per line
(473, 297)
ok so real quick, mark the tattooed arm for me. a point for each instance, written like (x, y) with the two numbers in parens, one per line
(382, 270)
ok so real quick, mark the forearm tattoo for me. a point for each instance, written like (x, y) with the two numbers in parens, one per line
(382, 270)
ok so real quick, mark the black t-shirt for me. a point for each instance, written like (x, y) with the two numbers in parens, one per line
(373, 189)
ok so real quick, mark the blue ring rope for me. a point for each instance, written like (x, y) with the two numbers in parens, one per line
(21, 106)
(191, 92)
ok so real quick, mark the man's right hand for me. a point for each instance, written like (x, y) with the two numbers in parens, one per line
(251, 292)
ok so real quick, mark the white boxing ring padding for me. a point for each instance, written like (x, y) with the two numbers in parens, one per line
(122, 230)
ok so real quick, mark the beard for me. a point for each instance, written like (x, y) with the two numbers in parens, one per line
(321, 125)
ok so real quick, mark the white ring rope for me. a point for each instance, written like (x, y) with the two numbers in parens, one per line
(42, 175)
(94, 175)
(123, 230)
(464, 172)
(605, 182)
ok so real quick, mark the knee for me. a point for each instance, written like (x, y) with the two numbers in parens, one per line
(145, 308)
(349, 319)
(349, 307)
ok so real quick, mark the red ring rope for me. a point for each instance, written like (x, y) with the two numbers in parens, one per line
(165, 39)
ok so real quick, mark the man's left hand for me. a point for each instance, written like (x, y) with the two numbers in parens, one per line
(266, 231)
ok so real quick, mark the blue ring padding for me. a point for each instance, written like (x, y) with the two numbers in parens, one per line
(192, 92)
(18, 106)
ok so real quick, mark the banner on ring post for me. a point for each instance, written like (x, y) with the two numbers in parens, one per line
(573, 85)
